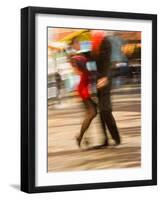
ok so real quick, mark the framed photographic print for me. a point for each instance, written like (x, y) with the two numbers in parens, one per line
(88, 99)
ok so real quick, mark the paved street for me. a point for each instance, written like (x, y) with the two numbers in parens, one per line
(64, 122)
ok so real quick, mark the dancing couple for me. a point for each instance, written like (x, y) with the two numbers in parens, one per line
(100, 53)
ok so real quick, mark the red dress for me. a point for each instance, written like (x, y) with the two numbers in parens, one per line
(83, 87)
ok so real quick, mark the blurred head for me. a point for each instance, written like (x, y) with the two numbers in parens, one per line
(78, 63)
(97, 38)
(75, 44)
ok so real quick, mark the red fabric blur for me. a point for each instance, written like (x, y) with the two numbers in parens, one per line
(97, 38)
(83, 86)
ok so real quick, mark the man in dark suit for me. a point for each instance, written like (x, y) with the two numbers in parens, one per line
(101, 53)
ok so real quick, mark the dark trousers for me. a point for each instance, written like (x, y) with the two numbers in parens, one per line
(108, 121)
(107, 118)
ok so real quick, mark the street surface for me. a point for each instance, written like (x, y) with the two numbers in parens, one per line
(64, 121)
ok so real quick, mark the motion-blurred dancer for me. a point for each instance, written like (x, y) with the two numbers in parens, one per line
(79, 65)
(101, 53)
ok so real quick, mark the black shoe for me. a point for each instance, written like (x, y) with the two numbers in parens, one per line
(117, 142)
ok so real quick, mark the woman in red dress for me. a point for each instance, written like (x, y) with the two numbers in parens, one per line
(79, 65)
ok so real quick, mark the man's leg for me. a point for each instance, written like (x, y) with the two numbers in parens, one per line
(105, 105)
(111, 124)
(103, 125)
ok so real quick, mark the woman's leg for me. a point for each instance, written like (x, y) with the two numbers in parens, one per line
(90, 114)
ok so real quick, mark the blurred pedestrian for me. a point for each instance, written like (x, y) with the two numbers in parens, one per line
(58, 84)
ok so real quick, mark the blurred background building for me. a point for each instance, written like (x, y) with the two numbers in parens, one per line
(126, 51)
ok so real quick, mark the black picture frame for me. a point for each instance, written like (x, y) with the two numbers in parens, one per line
(28, 98)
